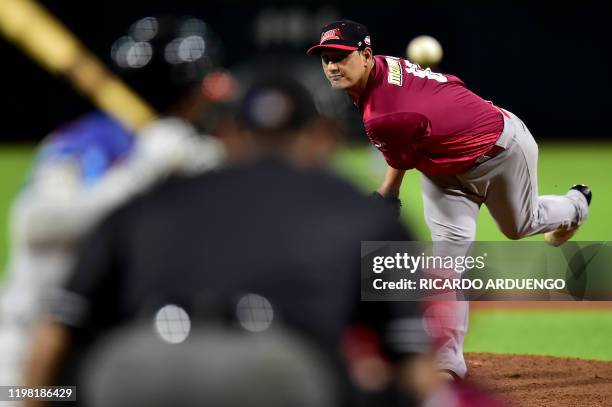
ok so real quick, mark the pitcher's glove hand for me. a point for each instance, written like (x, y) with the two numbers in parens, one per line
(391, 203)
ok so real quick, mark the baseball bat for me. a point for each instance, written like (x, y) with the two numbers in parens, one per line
(41, 36)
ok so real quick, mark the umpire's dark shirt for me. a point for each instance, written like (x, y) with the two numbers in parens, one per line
(290, 236)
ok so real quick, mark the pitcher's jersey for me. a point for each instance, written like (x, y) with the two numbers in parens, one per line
(426, 120)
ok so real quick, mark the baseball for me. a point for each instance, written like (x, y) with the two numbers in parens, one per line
(424, 50)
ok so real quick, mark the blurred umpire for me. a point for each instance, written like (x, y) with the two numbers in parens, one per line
(277, 227)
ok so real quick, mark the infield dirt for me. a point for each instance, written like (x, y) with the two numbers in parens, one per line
(530, 381)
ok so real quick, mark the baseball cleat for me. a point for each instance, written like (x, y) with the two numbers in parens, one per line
(584, 190)
(563, 234)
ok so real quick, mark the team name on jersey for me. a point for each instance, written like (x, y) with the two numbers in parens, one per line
(394, 73)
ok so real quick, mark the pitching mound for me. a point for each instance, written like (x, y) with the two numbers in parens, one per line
(527, 381)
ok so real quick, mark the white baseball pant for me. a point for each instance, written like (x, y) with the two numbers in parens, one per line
(508, 185)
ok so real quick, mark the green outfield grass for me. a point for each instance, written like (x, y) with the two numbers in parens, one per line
(585, 334)
(561, 165)
(14, 164)
(579, 333)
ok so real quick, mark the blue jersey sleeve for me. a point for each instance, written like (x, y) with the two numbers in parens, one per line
(95, 142)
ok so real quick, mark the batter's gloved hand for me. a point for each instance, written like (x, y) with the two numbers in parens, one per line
(392, 203)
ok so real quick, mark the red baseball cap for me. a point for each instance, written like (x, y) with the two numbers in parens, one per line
(344, 35)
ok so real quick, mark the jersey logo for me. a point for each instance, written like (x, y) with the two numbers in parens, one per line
(394, 74)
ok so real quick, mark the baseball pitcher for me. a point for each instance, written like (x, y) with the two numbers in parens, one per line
(469, 151)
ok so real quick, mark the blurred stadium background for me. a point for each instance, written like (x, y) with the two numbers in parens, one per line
(549, 65)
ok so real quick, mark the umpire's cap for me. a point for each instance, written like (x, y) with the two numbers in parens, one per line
(277, 105)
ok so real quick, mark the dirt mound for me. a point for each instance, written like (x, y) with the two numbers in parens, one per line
(525, 381)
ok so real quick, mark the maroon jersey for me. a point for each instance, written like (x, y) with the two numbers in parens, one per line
(426, 120)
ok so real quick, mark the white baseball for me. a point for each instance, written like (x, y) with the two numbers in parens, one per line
(424, 50)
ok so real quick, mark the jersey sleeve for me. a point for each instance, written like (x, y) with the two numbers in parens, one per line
(94, 142)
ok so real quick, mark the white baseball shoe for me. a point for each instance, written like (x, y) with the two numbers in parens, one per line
(563, 234)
